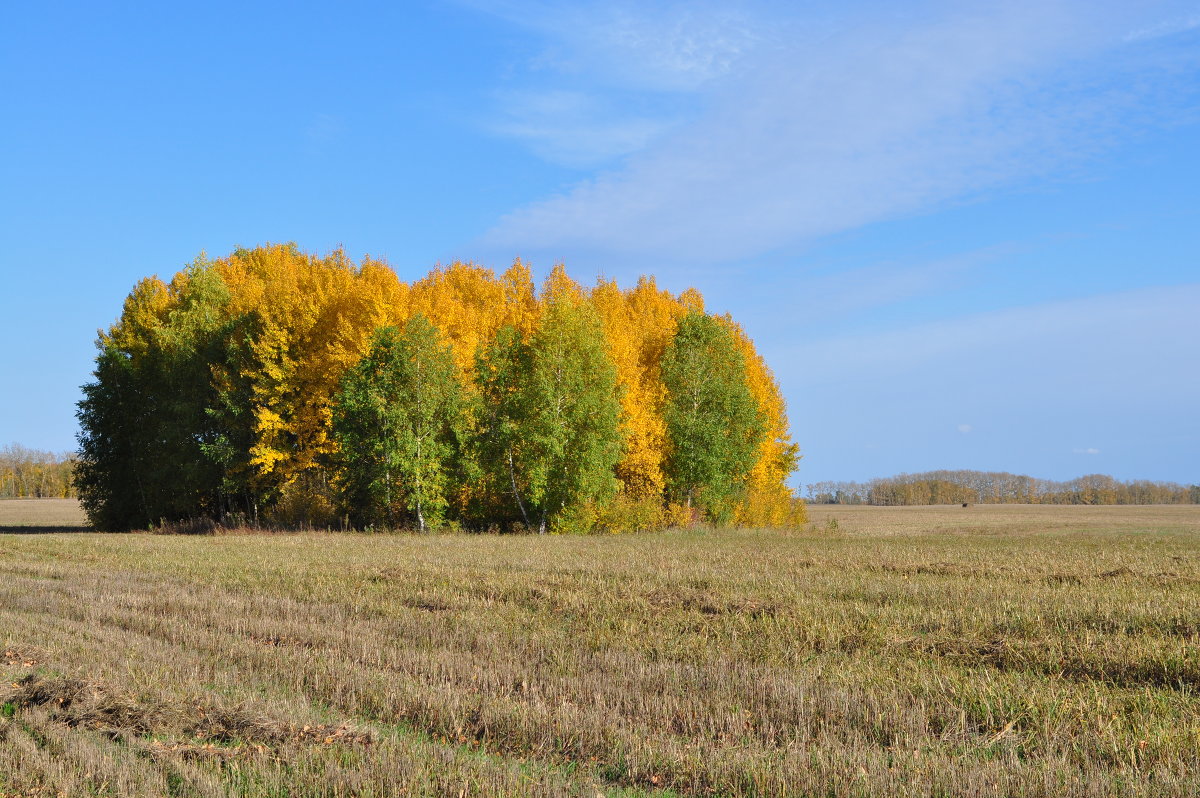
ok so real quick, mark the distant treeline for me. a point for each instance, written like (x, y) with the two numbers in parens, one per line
(992, 487)
(28, 473)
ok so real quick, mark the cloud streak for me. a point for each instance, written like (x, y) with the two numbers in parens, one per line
(806, 129)
(1114, 341)
(674, 46)
(573, 128)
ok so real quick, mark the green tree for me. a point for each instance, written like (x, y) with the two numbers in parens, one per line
(107, 477)
(496, 446)
(396, 421)
(713, 423)
(144, 421)
(553, 412)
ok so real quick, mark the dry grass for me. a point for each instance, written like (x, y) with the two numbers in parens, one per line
(1027, 651)
(42, 515)
(1016, 519)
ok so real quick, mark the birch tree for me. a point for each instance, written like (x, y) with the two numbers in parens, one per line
(554, 413)
(396, 421)
(713, 424)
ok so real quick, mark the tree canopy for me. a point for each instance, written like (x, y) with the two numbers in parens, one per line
(274, 386)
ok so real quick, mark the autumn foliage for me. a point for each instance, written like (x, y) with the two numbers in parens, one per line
(30, 473)
(216, 395)
(998, 487)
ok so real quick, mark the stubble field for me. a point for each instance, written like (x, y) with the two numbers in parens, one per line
(1032, 651)
(41, 515)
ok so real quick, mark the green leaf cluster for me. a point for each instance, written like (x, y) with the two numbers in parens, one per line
(713, 423)
(552, 410)
(397, 420)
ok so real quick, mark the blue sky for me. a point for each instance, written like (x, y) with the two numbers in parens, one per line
(963, 235)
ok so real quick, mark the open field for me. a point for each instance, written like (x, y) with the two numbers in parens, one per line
(1017, 519)
(901, 651)
(41, 515)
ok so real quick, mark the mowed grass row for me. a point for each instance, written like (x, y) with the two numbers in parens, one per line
(905, 651)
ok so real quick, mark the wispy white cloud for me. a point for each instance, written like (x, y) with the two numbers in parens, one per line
(599, 84)
(851, 291)
(573, 128)
(1089, 450)
(1168, 27)
(807, 127)
(675, 46)
(1116, 341)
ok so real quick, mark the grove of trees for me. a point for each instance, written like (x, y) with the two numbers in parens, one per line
(29, 473)
(988, 487)
(277, 387)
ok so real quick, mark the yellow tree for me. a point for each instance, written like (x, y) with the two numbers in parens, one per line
(466, 303)
(520, 310)
(304, 326)
(559, 287)
(638, 325)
